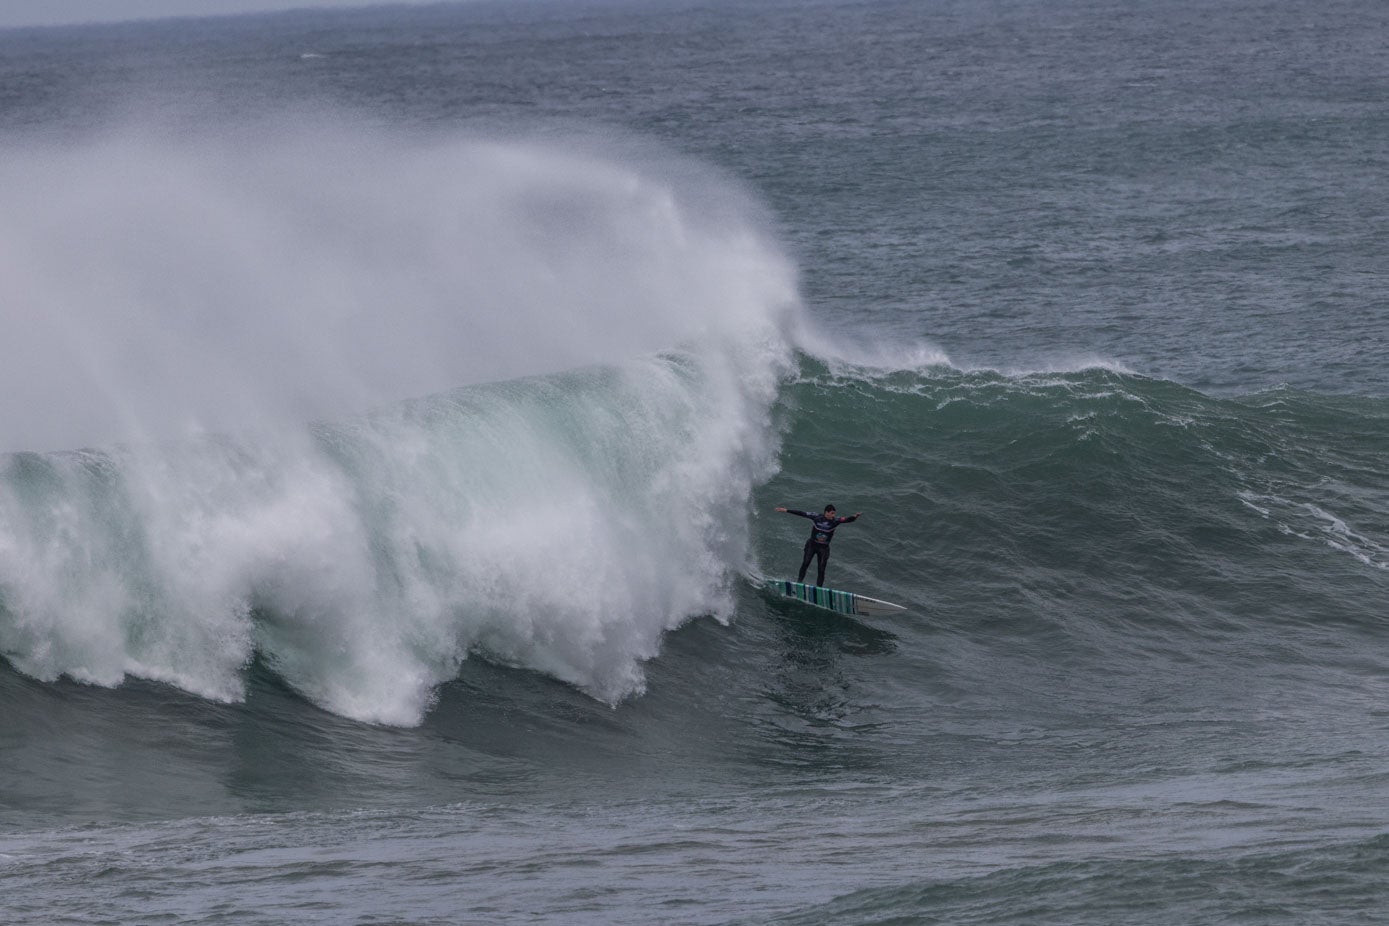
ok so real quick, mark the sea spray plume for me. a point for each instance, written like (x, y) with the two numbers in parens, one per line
(159, 283)
(560, 522)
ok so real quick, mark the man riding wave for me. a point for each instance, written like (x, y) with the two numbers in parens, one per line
(822, 529)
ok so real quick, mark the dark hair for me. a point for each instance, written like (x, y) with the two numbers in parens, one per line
(831, 508)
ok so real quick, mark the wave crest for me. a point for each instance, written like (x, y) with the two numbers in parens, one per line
(560, 522)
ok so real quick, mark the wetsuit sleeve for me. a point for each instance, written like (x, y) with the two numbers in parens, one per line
(800, 513)
(849, 520)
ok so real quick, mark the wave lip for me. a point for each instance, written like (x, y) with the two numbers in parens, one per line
(857, 356)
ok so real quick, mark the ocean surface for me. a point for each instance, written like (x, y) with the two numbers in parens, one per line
(394, 404)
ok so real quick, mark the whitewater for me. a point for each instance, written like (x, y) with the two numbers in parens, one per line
(292, 480)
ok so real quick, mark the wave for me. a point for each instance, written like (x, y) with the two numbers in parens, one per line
(560, 521)
(564, 523)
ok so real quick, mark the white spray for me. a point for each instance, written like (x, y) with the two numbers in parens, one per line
(203, 300)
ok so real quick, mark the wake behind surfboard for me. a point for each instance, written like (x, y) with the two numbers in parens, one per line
(831, 599)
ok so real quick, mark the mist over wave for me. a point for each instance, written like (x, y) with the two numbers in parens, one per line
(156, 283)
(203, 302)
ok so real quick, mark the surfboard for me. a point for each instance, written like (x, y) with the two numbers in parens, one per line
(831, 599)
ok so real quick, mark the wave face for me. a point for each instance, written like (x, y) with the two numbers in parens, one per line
(1099, 514)
(560, 521)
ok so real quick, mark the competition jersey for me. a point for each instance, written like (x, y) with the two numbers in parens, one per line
(822, 525)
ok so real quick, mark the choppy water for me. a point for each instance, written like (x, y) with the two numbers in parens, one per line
(394, 403)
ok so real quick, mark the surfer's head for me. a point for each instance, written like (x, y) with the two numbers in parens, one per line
(829, 509)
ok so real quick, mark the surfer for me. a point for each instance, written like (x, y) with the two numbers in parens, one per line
(821, 533)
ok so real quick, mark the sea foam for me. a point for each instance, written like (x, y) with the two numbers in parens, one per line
(594, 340)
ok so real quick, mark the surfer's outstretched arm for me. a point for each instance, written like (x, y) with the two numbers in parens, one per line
(802, 514)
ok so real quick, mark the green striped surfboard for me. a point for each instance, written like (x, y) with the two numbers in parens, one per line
(831, 598)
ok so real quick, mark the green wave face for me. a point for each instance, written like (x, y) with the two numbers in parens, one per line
(1092, 500)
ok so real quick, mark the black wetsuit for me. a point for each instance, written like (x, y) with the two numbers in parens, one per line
(818, 546)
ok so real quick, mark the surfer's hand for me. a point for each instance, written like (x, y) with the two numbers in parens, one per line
(782, 510)
(858, 514)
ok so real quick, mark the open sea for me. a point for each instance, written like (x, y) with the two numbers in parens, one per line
(394, 404)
